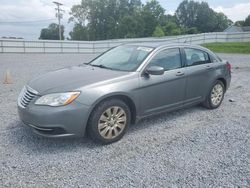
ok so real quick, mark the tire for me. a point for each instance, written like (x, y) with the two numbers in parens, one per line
(215, 95)
(109, 121)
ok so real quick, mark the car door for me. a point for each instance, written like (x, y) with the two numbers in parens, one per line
(160, 92)
(199, 71)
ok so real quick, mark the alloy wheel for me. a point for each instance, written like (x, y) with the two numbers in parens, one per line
(112, 122)
(217, 94)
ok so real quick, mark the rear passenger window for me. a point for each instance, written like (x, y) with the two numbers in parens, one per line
(168, 59)
(196, 57)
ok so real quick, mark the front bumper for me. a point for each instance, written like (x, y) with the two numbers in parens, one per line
(64, 121)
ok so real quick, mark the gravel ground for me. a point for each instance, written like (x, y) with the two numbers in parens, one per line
(193, 147)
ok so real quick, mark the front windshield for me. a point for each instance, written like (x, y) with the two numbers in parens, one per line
(124, 58)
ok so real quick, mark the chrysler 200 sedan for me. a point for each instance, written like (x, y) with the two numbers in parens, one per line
(120, 87)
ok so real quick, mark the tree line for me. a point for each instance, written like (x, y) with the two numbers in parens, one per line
(111, 19)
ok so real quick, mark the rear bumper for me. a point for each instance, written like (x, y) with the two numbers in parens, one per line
(65, 121)
(228, 80)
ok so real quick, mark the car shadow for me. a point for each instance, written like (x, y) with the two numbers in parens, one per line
(29, 142)
(165, 117)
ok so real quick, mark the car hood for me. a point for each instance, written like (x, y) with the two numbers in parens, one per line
(71, 78)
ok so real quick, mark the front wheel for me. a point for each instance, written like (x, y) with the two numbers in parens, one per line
(215, 96)
(109, 121)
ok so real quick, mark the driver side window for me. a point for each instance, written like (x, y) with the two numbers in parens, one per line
(169, 59)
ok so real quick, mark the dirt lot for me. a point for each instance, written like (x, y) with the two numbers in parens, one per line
(193, 147)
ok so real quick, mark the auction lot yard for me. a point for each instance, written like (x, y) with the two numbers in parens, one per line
(194, 147)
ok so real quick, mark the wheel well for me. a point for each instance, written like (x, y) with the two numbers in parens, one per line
(224, 82)
(126, 100)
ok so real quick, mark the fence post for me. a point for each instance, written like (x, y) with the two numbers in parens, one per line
(1, 46)
(61, 44)
(204, 38)
(78, 47)
(43, 47)
(24, 47)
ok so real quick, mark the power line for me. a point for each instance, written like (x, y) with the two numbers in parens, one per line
(28, 21)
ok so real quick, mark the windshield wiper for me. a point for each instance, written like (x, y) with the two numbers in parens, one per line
(101, 66)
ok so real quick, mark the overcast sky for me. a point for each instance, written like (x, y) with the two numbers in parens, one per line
(15, 15)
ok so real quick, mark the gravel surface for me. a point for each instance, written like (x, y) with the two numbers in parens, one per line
(193, 147)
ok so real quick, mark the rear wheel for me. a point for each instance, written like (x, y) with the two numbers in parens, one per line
(215, 96)
(109, 121)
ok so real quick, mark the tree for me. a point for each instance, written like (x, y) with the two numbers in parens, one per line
(239, 23)
(109, 19)
(191, 30)
(222, 22)
(152, 14)
(186, 13)
(158, 32)
(206, 18)
(201, 16)
(115, 19)
(247, 21)
(79, 33)
(131, 23)
(52, 32)
(170, 26)
(130, 27)
(78, 14)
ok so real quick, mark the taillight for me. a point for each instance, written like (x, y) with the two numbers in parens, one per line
(229, 67)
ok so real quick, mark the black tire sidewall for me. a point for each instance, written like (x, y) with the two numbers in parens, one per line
(92, 127)
(212, 106)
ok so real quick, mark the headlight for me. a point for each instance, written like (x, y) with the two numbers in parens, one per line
(57, 99)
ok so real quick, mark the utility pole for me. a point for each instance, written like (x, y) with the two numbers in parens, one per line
(59, 15)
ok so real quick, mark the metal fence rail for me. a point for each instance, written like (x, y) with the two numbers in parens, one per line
(52, 46)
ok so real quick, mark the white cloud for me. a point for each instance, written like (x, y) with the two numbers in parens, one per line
(236, 12)
(171, 12)
(31, 10)
(28, 10)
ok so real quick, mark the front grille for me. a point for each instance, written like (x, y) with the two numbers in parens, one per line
(27, 96)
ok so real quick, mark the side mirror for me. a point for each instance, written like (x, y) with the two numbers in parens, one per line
(155, 70)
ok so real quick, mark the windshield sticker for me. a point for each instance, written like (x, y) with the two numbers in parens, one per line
(145, 49)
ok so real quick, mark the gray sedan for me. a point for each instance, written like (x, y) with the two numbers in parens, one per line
(122, 86)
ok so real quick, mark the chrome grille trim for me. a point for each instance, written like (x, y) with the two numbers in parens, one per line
(26, 96)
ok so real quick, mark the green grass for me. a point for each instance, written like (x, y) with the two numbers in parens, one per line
(229, 47)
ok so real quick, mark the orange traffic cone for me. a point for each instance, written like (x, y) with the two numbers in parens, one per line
(7, 77)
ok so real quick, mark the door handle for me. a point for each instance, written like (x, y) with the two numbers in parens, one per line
(208, 67)
(180, 73)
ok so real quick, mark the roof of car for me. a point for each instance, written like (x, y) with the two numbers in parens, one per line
(159, 44)
(163, 44)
